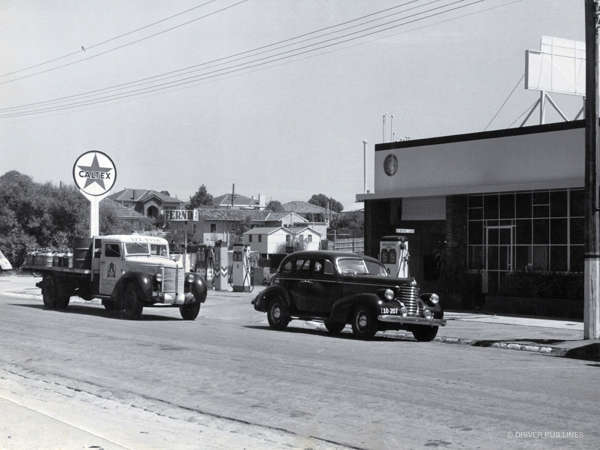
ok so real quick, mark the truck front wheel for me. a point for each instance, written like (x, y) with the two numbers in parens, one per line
(190, 312)
(131, 302)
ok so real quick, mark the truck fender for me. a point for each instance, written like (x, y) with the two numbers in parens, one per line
(142, 280)
(196, 287)
(342, 309)
(261, 302)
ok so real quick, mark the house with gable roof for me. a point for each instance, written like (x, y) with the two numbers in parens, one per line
(147, 202)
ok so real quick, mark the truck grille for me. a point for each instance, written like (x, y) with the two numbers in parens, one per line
(409, 295)
(173, 280)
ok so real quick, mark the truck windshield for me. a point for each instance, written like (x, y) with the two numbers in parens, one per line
(159, 250)
(137, 248)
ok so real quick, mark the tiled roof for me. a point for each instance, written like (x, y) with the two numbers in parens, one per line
(266, 230)
(296, 230)
(304, 208)
(238, 200)
(121, 211)
(141, 195)
(234, 215)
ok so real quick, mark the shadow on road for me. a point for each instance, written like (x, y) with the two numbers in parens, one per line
(326, 334)
(91, 311)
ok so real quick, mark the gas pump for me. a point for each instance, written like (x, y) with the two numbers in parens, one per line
(221, 267)
(394, 254)
(242, 269)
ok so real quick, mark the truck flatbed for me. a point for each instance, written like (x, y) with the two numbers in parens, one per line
(66, 270)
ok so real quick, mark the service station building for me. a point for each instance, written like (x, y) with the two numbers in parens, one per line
(483, 205)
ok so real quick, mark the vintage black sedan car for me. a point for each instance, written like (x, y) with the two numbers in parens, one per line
(341, 288)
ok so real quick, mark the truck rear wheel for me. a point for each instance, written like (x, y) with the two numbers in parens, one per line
(49, 291)
(131, 302)
(190, 312)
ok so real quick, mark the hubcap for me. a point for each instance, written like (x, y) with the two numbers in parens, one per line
(276, 312)
(362, 321)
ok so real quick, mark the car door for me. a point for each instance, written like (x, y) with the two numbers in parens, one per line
(111, 264)
(299, 283)
(324, 288)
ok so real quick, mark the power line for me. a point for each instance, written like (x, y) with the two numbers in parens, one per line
(127, 44)
(227, 59)
(113, 38)
(229, 70)
(505, 101)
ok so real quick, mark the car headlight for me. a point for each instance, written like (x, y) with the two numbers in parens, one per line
(434, 299)
(389, 294)
(190, 278)
(158, 277)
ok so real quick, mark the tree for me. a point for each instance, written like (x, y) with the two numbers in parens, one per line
(200, 198)
(326, 202)
(275, 206)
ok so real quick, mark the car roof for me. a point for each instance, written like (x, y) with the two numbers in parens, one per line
(331, 254)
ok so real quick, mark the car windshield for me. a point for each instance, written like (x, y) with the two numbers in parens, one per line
(137, 248)
(359, 266)
(159, 250)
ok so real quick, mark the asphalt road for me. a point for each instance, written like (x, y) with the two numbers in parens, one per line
(391, 392)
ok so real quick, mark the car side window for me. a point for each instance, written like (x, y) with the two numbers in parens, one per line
(112, 250)
(287, 267)
(306, 266)
(318, 267)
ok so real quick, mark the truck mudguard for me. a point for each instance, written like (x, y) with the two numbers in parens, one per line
(342, 308)
(197, 287)
(261, 302)
(142, 280)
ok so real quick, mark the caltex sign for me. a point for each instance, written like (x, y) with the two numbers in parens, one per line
(95, 174)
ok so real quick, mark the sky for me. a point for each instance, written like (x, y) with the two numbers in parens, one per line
(287, 129)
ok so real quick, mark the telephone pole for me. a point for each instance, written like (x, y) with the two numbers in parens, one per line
(591, 308)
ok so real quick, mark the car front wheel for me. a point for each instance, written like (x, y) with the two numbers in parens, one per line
(424, 333)
(278, 314)
(364, 323)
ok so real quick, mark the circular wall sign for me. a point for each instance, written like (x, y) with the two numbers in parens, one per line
(94, 173)
(390, 165)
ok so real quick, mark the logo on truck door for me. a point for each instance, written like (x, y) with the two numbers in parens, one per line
(110, 273)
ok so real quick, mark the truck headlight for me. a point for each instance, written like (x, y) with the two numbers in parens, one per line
(389, 294)
(434, 299)
(190, 278)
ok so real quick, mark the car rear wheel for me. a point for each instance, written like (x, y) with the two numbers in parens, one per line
(334, 327)
(424, 333)
(278, 314)
(364, 322)
(190, 312)
(131, 302)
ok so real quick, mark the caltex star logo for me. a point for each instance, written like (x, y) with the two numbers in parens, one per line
(94, 173)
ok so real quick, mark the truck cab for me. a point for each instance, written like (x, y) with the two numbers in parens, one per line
(128, 272)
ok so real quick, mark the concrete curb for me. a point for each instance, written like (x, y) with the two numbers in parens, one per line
(507, 345)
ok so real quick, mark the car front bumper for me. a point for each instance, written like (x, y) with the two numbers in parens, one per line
(411, 320)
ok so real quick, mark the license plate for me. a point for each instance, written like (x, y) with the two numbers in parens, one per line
(386, 310)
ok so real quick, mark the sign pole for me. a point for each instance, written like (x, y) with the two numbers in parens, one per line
(591, 309)
(94, 217)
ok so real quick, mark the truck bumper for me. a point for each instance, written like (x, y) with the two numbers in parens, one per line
(411, 320)
(175, 299)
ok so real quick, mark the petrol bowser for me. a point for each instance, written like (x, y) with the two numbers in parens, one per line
(393, 253)
(242, 269)
(221, 267)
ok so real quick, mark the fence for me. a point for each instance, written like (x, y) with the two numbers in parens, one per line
(354, 245)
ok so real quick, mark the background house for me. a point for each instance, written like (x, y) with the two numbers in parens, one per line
(305, 238)
(268, 240)
(147, 202)
(318, 218)
(239, 201)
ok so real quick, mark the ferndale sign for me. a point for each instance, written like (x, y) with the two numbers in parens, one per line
(94, 173)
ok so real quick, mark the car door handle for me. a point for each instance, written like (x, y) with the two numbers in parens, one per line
(306, 282)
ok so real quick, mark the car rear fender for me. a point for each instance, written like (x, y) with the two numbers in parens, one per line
(261, 302)
(342, 309)
(142, 280)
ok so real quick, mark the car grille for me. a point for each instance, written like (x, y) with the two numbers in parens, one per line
(408, 295)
